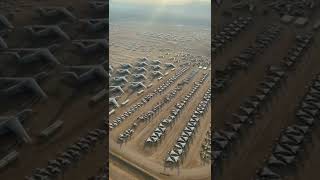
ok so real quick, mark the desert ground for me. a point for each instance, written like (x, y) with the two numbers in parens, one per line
(54, 90)
(187, 48)
(249, 133)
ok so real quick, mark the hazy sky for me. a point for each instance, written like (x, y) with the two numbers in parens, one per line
(174, 11)
(160, 2)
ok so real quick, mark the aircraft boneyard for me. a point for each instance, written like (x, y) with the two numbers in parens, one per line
(45, 31)
(147, 98)
(269, 124)
(29, 55)
(229, 33)
(172, 118)
(20, 85)
(136, 86)
(113, 102)
(14, 124)
(141, 64)
(119, 80)
(88, 46)
(114, 90)
(41, 48)
(275, 76)
(166, 113)
(139, 77)
(87, 73)
(123, 72)
(156, 74)
(285, 152)
(60, 13)
(155, 67)
(246, 57)
(179, 150)
(126, 66)
(149, 120)
(140, 70)
(169, 65)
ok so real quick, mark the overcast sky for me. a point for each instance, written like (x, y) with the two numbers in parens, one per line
(170, 11)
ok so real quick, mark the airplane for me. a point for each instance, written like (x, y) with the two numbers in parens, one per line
(14, 124)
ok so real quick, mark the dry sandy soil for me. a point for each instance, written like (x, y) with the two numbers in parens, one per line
(247, 154)
(128, 42)
(65, 102)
